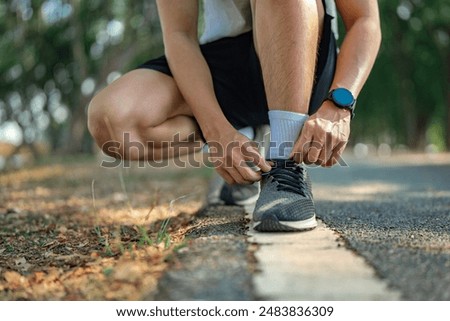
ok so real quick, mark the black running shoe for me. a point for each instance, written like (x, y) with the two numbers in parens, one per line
(221, 193)
(285, 203)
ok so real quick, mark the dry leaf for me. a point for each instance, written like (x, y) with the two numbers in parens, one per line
(39, 276)
(128, 272)
(48, 254)
(22, 264)
(49, 243)
(14, 279)
(45, 226)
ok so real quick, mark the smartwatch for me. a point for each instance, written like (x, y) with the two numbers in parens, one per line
(343, 98)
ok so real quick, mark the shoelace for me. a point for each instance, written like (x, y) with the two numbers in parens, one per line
(289, 176)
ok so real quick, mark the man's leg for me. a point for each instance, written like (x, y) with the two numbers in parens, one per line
(144, 112)
(286, 37)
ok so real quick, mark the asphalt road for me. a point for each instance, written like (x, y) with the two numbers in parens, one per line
(395, 212)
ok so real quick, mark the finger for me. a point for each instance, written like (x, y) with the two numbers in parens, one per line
(337, 153)
(234, 164)
(300, 150)
(302, 145)
(239, 169)
(332, 162)
(225, 168)
(332, 159)
(311, 156)
(251, 154)
(225, 175)
(327, 149)
(237, 176)
(322, 158)
(296, 153)
(248, 174)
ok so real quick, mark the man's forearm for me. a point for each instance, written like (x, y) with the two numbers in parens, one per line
(325, 134)
(357, 56)
(194, 80)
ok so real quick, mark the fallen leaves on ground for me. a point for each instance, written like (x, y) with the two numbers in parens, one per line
(76, 231)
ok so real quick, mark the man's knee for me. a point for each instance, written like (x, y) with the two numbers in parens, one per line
(117, 128)
(107, 123)
(105, 129)
(96, 121)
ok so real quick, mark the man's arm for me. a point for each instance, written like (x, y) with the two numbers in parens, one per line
(179, 20)
(179, 24)
(361, 43)
(325, 134)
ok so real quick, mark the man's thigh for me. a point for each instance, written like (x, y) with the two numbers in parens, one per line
(142, 96)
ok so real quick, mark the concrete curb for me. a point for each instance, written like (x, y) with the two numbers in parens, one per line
(313, 265)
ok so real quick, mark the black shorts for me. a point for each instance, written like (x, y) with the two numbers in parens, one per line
(238, 81)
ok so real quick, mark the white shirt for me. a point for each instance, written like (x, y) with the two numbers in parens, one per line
(225, 18)
(230, 18)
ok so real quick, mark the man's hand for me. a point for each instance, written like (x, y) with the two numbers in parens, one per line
(230, 153)
(324, 136)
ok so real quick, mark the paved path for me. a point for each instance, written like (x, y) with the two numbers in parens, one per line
(385, 236)
(396, 214)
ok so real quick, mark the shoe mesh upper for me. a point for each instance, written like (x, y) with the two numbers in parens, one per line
(285, 193)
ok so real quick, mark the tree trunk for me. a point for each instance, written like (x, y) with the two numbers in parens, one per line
(421, 133)
(78, 121)
(408, 104)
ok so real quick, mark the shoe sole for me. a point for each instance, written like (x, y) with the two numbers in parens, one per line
(270, 223)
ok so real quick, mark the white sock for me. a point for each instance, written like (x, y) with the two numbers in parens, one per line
(285, 127)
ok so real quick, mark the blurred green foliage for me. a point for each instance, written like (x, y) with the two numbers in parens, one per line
(55, 54)
(406, 99)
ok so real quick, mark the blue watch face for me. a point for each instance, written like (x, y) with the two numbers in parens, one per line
(343, 97)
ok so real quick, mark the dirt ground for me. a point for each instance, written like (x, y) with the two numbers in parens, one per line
(72, 230)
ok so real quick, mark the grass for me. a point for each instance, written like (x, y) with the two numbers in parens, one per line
(9, 248)
(108, 271)
(162, 235)
(103, 240)
(144, 238)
